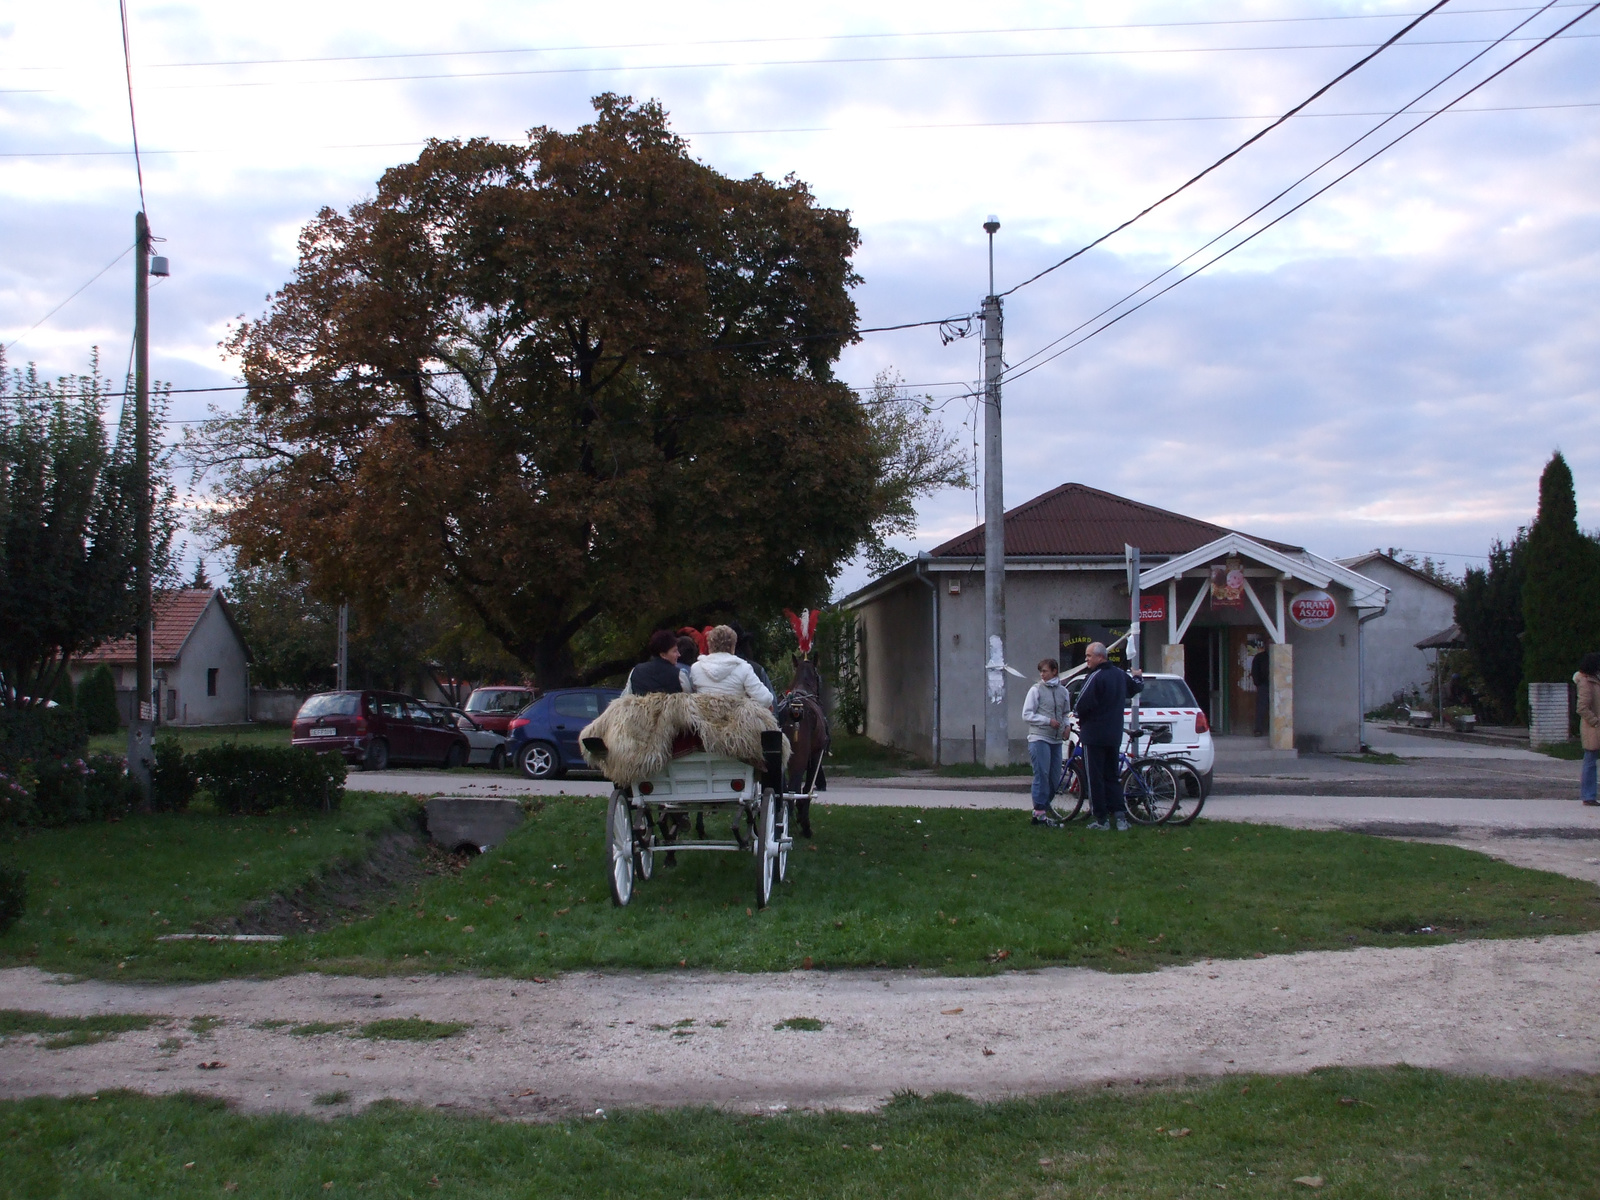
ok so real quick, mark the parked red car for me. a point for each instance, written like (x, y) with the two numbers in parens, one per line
(493, 707)
(374, 729)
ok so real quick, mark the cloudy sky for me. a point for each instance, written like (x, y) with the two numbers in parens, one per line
(1389, 366)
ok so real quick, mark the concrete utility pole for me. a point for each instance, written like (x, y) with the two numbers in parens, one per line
(343, 664)
(141, 723)
(996, 742)
(1135, 630)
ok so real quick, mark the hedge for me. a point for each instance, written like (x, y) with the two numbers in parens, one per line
(96, 701)
(34, 734)
(258, 779)
(13, 895)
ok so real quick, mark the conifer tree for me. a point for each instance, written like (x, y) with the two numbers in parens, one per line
(1561, 595)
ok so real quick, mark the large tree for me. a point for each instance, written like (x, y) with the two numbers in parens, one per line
(584, 385)
(1489, 612)
(1561, 595)
(66, 527)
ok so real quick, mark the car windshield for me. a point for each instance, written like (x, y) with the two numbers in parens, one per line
(1166, 693)
(330, 704)
(483, 701)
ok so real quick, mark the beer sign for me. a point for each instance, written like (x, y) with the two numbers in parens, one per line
(1313, 610)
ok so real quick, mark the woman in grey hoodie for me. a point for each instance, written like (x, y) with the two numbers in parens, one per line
(1045, 714)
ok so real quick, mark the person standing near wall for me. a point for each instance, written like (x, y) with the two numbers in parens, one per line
(1588, 681)
(1100, 705)
(1044, 712)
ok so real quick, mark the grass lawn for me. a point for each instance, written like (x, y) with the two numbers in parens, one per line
(861, 757)
(1395, 1133)
(957, 891)
(1570, 751)
(193, 737)
(99, 895)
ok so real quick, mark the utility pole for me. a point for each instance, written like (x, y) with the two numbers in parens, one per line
(1135, 630)
(141, 722)
(343, 664)
(996, 740)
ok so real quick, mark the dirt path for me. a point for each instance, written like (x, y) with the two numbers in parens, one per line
(592, 1040)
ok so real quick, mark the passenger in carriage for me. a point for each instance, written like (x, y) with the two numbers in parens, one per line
(688, 652)
(659, 672)
(721, 672)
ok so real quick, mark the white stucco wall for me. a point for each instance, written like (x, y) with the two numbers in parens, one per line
(1416, 610)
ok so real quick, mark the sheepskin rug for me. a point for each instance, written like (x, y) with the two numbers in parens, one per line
(638, 732)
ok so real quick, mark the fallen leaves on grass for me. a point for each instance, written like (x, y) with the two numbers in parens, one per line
(950, 1012)
(1310, 1181)
(212, 1066)
(1178, 1132)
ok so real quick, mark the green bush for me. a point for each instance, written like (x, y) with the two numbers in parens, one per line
(13, 895)
(36, 734)
(97, 701)
(172, 777)
(108, 789)
(258, 779)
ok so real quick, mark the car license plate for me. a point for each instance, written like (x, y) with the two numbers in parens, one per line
(325, 731)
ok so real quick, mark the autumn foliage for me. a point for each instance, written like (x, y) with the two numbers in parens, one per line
(584, 385)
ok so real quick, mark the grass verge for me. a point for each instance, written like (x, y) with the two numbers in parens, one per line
(1398, 1133)
(100, 895)
(61, 1033)
(1567, 751)
(861, 757)
(960, 891)
(192, 737)
(1376, 760)
(412, 1029)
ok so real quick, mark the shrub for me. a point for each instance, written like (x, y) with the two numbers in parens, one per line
(108, 789)
(36, 734)
(13, 895)
(258, 779)
(172, 777)
(1561, 620)
(97, 701)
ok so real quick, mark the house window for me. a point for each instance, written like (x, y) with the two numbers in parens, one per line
(211, 681)
(172, 704)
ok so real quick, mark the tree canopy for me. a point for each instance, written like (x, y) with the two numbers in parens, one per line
(66, 528)
(584, 386)
(1489, 612)
(1561, 595)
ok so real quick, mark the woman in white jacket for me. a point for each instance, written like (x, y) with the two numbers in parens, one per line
(721, 672)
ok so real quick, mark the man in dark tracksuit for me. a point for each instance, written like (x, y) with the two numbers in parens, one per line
(1105, 694)
(659, 671)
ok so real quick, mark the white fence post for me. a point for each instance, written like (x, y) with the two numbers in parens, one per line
(1549, 713)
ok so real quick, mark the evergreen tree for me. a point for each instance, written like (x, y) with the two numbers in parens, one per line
(200, 580)
(1561, 618)
(97, 701)
(1489, 612)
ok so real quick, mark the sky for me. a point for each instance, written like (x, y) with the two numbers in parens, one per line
(1390, 365)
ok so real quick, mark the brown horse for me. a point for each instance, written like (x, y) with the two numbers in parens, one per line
(804, 723)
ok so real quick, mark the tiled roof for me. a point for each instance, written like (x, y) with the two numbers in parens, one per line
(176, 613)
(1075, 520)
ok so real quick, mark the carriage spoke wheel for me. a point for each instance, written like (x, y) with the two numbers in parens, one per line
(619, 836)
(644, 857)
(785, 835)
(1151, 791)
(766, 846)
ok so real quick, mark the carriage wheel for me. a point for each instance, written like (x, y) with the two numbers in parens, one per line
(619, 836)
(766, 846)
(785, 833)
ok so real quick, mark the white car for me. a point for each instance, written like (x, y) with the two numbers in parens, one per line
(488, 749)
(1167, 701)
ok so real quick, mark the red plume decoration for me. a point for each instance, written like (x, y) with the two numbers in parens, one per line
(804, 626)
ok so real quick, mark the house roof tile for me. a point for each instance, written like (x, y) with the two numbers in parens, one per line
(1074, 520)
(176, 612)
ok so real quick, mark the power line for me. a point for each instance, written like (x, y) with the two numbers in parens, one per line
(842, 37)
(70, 298)
(133, 121)
(1334, 157)
(1297, 207)
(1248, 142)
(931, 126)
(858, 60)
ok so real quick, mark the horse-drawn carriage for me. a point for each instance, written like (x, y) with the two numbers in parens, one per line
(680, 762)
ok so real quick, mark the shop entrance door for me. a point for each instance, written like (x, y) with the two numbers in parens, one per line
(1202, 671)
(1244, 643)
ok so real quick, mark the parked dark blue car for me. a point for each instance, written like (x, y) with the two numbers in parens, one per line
(544, 736)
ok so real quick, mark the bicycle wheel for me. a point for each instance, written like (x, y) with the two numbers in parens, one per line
(1150, 790)
(1067, 803)
(1191, 793)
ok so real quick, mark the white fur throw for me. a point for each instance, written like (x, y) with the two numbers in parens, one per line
(638, 732)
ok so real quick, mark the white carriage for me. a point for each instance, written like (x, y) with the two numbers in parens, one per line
(671, 809)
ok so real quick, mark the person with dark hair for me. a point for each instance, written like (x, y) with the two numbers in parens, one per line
(1044, 712)
(688, 651)
(1588, 681)
(659, 671)
(745, 648)
(1261, 676)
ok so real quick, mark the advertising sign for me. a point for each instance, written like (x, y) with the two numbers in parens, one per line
(1152, 607)
(1313, 610)
(1227, 585)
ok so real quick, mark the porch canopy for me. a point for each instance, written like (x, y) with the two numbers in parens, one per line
(1262, 564)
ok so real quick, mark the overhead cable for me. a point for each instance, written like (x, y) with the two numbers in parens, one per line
(133, 120)
(1246, 144)
(70, 298)
(1301, 204)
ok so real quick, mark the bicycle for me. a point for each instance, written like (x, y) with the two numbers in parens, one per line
(1150, 787)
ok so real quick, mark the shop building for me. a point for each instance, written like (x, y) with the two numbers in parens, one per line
(1212, 599)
